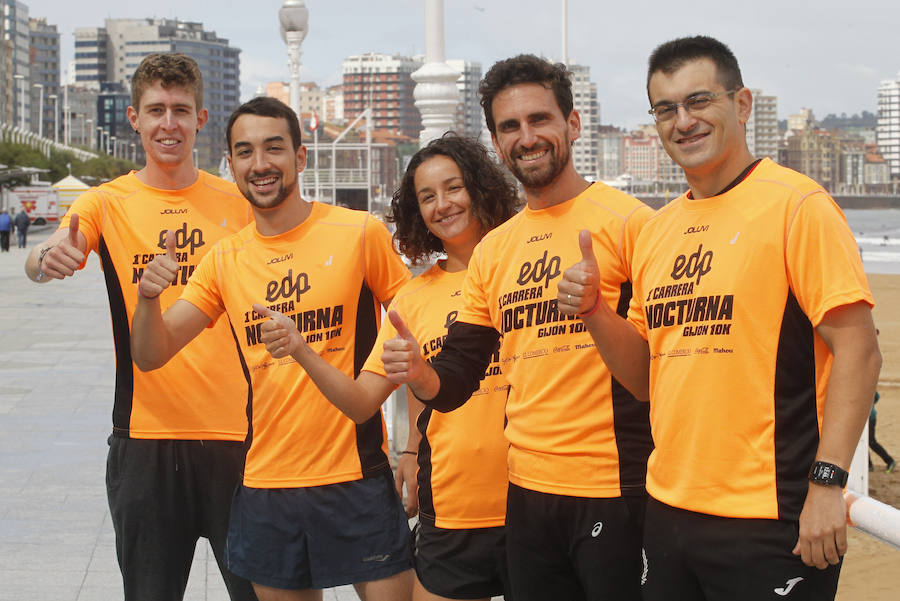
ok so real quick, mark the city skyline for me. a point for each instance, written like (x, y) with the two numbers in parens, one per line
(807, 54)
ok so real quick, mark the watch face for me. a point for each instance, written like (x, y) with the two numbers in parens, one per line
(827, 473)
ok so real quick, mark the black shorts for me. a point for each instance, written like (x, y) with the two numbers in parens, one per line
(320, 536)
(695, 556)
(573, 548)
(462, 564)
(164, 495)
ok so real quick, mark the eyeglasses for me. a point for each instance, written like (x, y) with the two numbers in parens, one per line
(696, 103)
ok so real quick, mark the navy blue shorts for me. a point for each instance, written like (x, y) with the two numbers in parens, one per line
(320, 536)
(462, 564)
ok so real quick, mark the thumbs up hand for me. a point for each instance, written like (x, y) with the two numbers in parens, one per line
(279, 333)
(579, 288)
(160, 272)
(402, 360)
(62, 260)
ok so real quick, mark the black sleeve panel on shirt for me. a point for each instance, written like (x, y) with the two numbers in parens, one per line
(461, 364)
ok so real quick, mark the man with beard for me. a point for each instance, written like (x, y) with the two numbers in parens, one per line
(578, 440)
(317, 507)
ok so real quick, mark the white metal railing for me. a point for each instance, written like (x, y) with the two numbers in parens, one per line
(15, 135)
(875, 518)
(864, 513)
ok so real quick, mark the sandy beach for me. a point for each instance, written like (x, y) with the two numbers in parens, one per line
(871, 569)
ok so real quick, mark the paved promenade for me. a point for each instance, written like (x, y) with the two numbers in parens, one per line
(57, 375)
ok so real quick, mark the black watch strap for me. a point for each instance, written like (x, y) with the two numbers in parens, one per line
(828, 474)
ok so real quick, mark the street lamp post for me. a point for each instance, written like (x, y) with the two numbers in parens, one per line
(40, 86)
(294, 18)
(21, 79)
(55, 100)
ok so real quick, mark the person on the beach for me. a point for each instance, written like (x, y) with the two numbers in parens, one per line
(750, 332)
(578, 441)
(177, 445)
(451, 195)
(889, 461)
(317, 506)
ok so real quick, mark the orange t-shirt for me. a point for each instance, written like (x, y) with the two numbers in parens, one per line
(329, 274)
(201, 393)
(728, 291)
(462, 455)
(573, 430)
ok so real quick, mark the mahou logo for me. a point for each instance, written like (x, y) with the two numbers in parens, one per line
(695, 264)
(287, 287)
(541, 271)
(183, 239)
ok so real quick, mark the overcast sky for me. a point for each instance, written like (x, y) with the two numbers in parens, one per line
(828, 55)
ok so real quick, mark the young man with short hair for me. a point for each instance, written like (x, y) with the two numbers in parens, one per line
(177, 446)
(750, 331)
(578, 440)
(317, 507)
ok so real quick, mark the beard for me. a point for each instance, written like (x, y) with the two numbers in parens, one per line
(282, 193)
(543, 176)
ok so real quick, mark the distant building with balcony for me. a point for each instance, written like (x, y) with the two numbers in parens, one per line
(762, 127)
(16, 64)
(110, 55)
(887, 128)
(584, 95)
(384, 83)
(44, 68)
(469, 116)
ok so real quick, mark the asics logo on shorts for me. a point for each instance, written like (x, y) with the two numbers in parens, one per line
(595, 531)
(784, 591)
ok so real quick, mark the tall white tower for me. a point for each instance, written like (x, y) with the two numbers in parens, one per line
(436, 94)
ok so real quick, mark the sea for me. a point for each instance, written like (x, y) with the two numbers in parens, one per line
(877, 232)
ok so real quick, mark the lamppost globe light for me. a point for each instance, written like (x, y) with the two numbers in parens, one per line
(294, 17)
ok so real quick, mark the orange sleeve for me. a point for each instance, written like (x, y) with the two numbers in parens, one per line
(385, 272)
(202, 289)
(476, 307)
(824, 268)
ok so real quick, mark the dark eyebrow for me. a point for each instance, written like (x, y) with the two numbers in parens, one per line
(688, 97)
(266, 141)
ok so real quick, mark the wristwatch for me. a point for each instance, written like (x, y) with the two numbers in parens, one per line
(40, 261)
(828, 474)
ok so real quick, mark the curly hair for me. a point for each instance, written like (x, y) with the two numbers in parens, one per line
(170, 69)
(525, 68)
(494, 198)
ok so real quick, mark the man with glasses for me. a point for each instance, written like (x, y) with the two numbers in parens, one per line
(750, 332)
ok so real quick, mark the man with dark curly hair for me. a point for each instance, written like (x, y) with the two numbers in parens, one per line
(578, 441)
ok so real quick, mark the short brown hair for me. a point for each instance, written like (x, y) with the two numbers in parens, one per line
(171, 69)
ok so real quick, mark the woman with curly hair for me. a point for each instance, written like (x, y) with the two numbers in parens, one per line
(451, 195)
